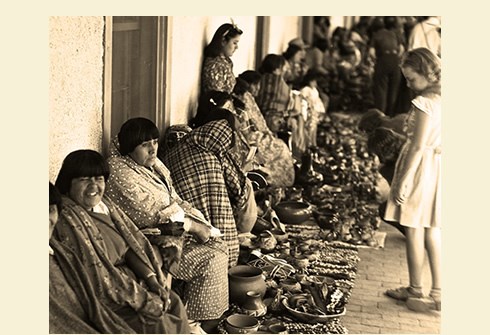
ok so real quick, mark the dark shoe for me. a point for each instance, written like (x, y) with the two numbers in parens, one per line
(403, 293)
(423, 304)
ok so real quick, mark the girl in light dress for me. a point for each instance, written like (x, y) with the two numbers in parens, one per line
(415, 196)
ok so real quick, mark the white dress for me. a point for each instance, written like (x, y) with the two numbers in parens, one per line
(422, 207)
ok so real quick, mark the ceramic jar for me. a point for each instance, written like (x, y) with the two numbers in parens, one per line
(267, 241)
(253, 305)
(242, 279)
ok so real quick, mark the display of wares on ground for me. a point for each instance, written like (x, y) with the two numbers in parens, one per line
(309, 281)
(269, 321)
(344, 200)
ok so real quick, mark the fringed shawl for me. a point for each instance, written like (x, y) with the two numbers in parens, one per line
(77, 230)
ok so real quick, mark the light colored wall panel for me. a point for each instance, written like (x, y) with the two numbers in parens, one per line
(75, 86)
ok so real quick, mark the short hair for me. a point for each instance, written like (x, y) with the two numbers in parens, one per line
(81, 163)
(390, 22)
(250, 76)
(225, 32)
(292, 50)
(54, 197)
(322, 44)
(424, 62)
(241, 86)
(134, 132)
(370, 120)
(271, 62)
(310, 76)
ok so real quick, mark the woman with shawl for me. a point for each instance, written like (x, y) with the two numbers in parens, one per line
(121, 265)
(142, 187)
(205, 175)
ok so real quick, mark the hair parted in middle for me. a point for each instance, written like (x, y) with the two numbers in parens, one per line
(224, 33)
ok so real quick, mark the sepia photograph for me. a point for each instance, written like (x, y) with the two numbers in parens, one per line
(245, 174)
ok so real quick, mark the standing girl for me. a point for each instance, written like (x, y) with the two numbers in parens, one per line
(217, 72)
(415, 199)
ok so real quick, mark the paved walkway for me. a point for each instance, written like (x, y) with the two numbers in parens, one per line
(369, 311)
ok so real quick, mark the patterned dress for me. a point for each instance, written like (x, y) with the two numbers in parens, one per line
(272, 152)
(217, 74)
(205, 175)
(423, 205)
(148, 198)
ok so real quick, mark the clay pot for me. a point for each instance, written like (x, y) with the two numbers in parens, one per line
(293, 212)
(241, 324)
(279, 235)
(242, 279)
(254, 306)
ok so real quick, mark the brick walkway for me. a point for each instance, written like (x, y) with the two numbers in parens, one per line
(369, 311)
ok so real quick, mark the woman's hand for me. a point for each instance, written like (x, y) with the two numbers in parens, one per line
(171, 228)
(201, 232)
(155, 287)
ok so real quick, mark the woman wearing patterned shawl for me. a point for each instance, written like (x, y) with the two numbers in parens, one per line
(279, 104)
(205, 175)
(142, 187)
(272, 152)
(217, 72)
(74, 306)
(121, 264)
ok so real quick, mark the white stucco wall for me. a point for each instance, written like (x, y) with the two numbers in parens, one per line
(282, 30)
(188, 35)
(75, 86)
(76, 49)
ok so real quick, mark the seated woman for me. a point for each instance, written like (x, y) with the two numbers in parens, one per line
(280, 106)
(272, 152)
(121, 264)
(294, 55)
(205, 175)
(74, 306)
(142, 187)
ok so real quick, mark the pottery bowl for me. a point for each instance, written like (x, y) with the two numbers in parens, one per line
(326, 218)
(241, 324)
(279, 235)
(293, 212)
(310, 318)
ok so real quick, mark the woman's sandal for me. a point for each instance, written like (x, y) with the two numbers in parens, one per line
(403, 293)
(423, 304)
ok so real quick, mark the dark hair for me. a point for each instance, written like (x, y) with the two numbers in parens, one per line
(322, 44)
(310, 76)
(54, 197)
(292, 50)
(390, 22)
(134, 132)
(225, 32)
(250, 76)
(209, 103)
(81, 163)
(370, 120)
(271, 62)
(241, 86)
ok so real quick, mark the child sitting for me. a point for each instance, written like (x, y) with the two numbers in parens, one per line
(316, 107)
